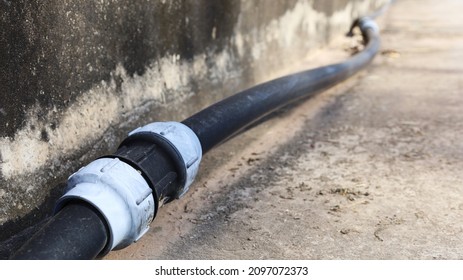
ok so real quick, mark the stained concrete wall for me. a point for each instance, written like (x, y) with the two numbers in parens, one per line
(76, 76)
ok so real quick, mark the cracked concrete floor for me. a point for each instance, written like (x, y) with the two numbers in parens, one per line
(368, 170)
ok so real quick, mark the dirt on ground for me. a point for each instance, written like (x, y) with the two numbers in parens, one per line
(368, 170)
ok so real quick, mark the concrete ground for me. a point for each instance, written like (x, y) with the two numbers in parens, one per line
(371, 169)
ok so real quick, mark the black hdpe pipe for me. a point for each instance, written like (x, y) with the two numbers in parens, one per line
(224, 119)
(78, 230)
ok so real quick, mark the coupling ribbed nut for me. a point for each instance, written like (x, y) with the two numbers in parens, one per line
(183, 142)
(120, 193)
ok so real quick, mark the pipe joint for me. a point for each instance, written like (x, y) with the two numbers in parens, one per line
(119, 193)
(181, 143)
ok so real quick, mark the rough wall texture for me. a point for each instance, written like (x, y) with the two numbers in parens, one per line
(76, 76)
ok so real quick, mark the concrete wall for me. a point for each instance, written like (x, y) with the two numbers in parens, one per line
(76, 76)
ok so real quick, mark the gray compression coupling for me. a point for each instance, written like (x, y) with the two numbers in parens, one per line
(121, 195)
(183, 142)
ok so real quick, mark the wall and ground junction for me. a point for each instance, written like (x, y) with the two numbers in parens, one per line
(76, 76)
